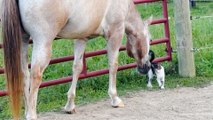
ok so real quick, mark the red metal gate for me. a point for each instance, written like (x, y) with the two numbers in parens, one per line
(85, 74)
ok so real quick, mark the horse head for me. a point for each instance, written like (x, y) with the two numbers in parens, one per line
(138, 44)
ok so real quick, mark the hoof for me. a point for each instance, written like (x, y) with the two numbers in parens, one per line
(71, 112)
(31, 118)
(70, 109)
(120, 105)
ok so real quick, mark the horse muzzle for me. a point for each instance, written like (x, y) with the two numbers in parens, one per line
(143, 69)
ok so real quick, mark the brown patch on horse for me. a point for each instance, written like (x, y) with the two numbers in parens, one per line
(11, 29)
(36, 76)
(128, 49)
(141, 47)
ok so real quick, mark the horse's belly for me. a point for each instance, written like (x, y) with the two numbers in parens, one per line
(80, 29)
(0, 9)
(85, 19)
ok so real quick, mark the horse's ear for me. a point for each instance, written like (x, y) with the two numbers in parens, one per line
(148, 21)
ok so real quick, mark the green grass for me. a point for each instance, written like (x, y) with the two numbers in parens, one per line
(94, 89)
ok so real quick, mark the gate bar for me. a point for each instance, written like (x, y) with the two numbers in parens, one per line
(88, 75)
(145, 1)
(95, 53)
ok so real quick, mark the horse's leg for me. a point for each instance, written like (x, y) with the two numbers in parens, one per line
(24, 64)
(114, 37)
(42, 47)
(77, 69)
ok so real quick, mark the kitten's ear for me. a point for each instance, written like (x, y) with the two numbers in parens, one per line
(151, 55)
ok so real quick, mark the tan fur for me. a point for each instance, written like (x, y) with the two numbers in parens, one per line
(137, 44)
(128, 49)
(90, 22)
(1, 9)
(36, 74)
(44, 20)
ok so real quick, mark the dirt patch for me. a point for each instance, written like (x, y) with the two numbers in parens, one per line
(177, 104)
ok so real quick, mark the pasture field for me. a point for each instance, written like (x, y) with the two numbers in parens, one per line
(94, 89)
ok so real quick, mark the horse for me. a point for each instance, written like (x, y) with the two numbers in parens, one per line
(0, 10)
(79, 20)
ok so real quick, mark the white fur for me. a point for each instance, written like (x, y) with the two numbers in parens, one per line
(44, 20)
(0, 10)
(160, 74)
(77, 68)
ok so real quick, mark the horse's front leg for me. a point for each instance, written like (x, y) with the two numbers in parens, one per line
(114, 38)
(77, 69)
(40, 59)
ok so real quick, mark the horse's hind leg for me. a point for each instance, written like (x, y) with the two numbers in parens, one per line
(114, 37)
(77, 69)
(42, 47)
(24, 64)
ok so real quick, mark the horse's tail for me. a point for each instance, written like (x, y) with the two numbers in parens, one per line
(11, 31)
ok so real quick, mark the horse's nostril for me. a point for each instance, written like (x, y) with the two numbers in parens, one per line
(144, 69)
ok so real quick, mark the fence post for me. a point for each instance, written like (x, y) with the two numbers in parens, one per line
(184, 38)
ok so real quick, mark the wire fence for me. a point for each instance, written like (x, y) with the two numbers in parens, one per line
(193, 3)
(196, 49)
(209, 47)
(200, 17)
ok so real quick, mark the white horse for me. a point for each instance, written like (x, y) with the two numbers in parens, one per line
(44, 20)
(0, 10)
